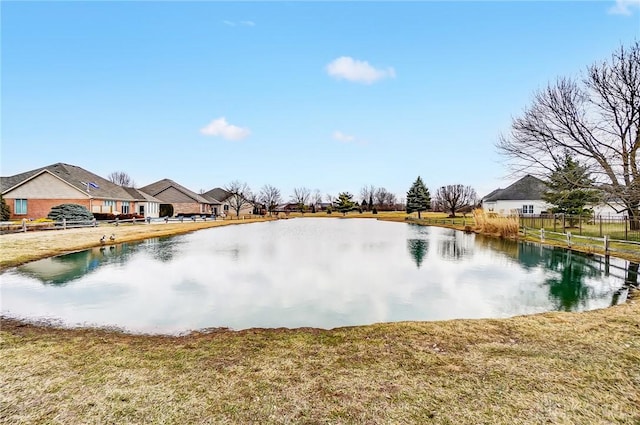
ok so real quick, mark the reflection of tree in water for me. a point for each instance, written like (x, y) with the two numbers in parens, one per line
(532, 255)
(569, 289)
(453, 248)
(418, 249)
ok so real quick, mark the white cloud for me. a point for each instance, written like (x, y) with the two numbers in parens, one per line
(220, 127)
(350, 69)
(241, 23)
(624, 7)
(341, 137)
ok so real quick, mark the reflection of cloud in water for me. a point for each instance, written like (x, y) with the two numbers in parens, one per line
(292, 274)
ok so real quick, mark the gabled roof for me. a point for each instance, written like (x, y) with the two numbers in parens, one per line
(139, 195)
(218, 194)
(73, 175)
(161, 185)
(527, 188)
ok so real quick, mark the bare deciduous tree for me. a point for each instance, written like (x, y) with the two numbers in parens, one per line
(301, 196)
(453, 197)
(270, 197)
(596, 120)
(121, 179)
(384, 199)
(239, 196)
(366, 193)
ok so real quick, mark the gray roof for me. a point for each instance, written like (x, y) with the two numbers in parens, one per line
(219, 194)
(75, 176)
(527, 188)
(139, 195)
(161, 185)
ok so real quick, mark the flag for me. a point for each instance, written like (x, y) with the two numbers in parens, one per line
(93, 185)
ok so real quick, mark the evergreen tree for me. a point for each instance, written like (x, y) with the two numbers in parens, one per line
(418, 197)
(569, 189)
(371, 203)
(345, 202)
(5, 213)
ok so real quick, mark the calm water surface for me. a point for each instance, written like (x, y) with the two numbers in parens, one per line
(306, 272)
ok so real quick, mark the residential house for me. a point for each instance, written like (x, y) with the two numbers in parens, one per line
(184, 201)
(222, 197)
(145, 204)
(522, 197)
(32, 194)
(525, 197)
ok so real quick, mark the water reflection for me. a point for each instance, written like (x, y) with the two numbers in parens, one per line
(63, 269)
(418, 248)
(307, 272)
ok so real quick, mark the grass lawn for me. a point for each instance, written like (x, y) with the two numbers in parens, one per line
(559, 368)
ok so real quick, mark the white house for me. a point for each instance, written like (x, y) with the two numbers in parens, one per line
(525, 197)
(522, 197)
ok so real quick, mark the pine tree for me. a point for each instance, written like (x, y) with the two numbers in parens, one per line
(568, 189)
(418, 197)
(345, 202)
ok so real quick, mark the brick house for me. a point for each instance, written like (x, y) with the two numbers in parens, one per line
(32, 194)
(221, 198)
(184, 201)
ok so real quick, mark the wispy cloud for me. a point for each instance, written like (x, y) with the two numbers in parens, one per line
(239, 23)
(347, 68)
(341, 137)
(624, 7)
(220, 127)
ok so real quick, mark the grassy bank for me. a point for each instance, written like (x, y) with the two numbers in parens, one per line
(561, 368)
(557, 368)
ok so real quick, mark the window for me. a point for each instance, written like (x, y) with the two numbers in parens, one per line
(527, 209)
(226, 207)
(125, 207)
(20, 207)
(141, 209)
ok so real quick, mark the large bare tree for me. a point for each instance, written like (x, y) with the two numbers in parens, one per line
(596, 120)
(453, 197)
(384, 199)
(239, 196)
(300, 197)
(270, 196)
(366, 193)
(121, 179)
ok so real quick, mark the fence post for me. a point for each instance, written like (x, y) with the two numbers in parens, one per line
(64, 224)
(133, 220)
(580, 224)
(626, 234)
(117, 221)
(600, 217)
(554, 222)
(24, 225)
(542, 235)
(606, 244)
(569, 239)
(564, 224)
(93, 222)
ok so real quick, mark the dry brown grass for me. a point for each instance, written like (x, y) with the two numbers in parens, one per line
(496, 225)
(561, 368)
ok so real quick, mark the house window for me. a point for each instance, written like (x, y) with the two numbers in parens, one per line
(125, 207)
(226, 208)
(527, 209)
(141, 209)
(20, 207)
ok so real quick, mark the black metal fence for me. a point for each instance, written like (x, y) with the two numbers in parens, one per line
(621, 228)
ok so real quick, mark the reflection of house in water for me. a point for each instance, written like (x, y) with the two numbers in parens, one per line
(162, 249)
(66, 268)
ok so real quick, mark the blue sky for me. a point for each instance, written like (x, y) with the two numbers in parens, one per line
(326, 95)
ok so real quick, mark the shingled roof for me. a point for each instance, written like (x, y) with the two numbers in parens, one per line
(218, 194)
(139, 195)
(161, 185)
(73, 175)
(527, 188)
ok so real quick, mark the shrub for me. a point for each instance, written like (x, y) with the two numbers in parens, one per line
(493, 224)
(5, 213)
(70, 212)
(104, 216)
(374, 210)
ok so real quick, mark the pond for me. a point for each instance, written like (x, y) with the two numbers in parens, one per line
(309, 272)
